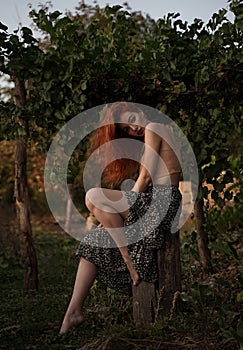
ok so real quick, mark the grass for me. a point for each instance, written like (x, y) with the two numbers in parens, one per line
(31, 321)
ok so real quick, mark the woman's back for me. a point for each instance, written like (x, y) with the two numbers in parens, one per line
(168, 170)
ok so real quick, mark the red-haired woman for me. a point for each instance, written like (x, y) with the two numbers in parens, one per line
(121, 251)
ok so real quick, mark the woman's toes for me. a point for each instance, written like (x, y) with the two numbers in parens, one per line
(71, 321)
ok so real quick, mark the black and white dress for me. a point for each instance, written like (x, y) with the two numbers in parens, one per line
(152, 215)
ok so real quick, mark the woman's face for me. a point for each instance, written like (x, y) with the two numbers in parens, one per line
(133, 123)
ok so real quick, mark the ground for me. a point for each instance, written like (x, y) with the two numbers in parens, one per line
(210, 319)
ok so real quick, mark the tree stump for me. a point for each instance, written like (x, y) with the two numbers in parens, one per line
(169, 269)
(149, 299)
(144, 302)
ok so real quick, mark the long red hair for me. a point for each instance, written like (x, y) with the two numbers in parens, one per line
(126, 159)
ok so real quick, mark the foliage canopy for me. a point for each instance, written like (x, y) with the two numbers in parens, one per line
(192, 72)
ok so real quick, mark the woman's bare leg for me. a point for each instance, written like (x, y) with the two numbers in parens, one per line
(85, 277)
(111, 208)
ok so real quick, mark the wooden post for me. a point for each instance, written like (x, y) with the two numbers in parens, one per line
(169, 270)
(144, 303)
(149, 299)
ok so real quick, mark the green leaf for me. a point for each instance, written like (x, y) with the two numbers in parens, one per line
(3, 27)
(219, 186)
(54, 15)
(215, 195)
(112, 10)
(240, 330)
(26, 31)
(84, 85)
(228, 195)
(220, 202)
(213, 171)
(239, 297)
(228, 177)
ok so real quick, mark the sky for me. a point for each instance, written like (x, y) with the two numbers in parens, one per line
(14, 13)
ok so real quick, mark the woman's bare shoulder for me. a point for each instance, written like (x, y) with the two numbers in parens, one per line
(157, 128)
(161, 130)
(152, 133)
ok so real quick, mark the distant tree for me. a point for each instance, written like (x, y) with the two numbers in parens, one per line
(17, 56)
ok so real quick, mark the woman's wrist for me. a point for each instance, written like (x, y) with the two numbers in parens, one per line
(126, 258)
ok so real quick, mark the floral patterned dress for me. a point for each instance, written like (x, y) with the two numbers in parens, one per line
(152, 215)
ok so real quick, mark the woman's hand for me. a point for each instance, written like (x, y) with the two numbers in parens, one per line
(133, 273)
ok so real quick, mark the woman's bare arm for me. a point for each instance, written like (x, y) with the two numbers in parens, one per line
(150, 158)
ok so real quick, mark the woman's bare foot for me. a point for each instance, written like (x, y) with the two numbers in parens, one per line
(71, 320)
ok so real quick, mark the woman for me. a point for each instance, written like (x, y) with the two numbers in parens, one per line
(136, 220)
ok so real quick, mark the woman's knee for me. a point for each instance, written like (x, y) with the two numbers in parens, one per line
(91, 198)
